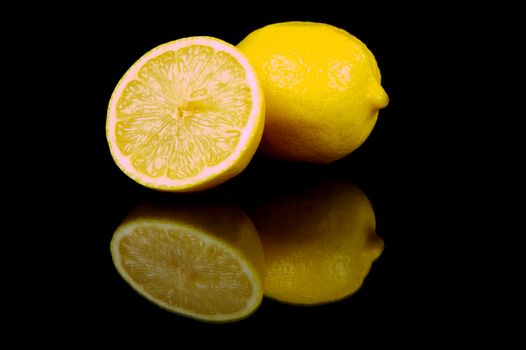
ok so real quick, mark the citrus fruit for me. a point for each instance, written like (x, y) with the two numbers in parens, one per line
(319, 243)
(322, 90)
(202, 261)
(188, 115)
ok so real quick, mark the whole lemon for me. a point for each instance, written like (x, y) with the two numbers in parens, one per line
(322, 87)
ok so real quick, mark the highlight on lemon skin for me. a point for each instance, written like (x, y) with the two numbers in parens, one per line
(200, 261)
(322, 87)
(319, 243)
(187, 116)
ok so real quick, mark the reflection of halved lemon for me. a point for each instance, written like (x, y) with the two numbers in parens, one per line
(204, 262)
(319, 244)
(186, 116)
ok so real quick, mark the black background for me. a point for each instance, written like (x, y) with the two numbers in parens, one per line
(412, 169)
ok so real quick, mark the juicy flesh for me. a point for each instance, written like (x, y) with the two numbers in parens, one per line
(183, 111)
(184, 271)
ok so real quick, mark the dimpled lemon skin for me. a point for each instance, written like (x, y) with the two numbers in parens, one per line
(322, 89)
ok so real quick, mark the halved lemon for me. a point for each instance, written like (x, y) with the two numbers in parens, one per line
(187, 116)
(203, 262)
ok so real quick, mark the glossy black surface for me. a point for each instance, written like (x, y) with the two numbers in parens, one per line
(401, 168)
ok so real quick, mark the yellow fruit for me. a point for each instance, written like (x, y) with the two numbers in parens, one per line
(319, 244)
(203, 262)
(187, 116)
(322, 88)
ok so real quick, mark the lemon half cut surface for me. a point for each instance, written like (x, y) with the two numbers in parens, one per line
(188, 115)
(203, 262)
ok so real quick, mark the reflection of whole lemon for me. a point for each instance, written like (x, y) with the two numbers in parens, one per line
(322, 87)
(319, 244)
